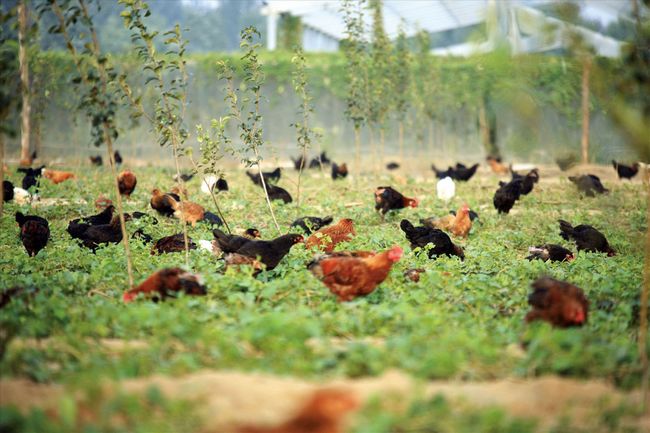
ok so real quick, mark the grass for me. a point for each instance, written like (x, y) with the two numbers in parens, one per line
(460, 321)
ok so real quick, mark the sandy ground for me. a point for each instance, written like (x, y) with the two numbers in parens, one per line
(226, 399)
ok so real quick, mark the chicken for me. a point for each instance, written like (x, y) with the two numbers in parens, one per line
(586, 238)
(237, 260)
(167, 283)
(270, 253)
(117, 157)
(141, 215)
(441, 174)
(552, 252)
(32, 176)
(222, 184)
(34, 232)
(102, 202)
(77, 227)
(496, 165)
(445, 189)
(22, 196)
(459, 224)
(277, 193)
(507, 194)
(528, 180)
(339, 171)
(328, 237)
(252, 233)
(212, 219)
(351, 277)
(464, 173)
(589, 184)
(142, 236)
(626, 171)
(184, 177)
(96, 160)
(208, 183)
(387, 199)
(126, 182)
(413, 274)
(392, 166)
(323, 413)
(188, 211)
(421, 236)
(7, 191)
(320, 160)
(163, 203)
(95, 235)
(57, 176)
(560, 303)
(269, 176)
(229, 243)
(172, 244)
(299, 162)
(309, 223)
(473, 216)
(567, 161)
(179, 191)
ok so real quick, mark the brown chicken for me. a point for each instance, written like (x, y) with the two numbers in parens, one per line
(496, 165)
(167, 283)
(126, 182)
(236, 260)
(387, 199)
(180, 191)
(350, 277)
(459, 225)
(328, 237)
(162, 203)
(57, 176)
(323, 413)
(560, 303)
(188, 211)
(172, 244)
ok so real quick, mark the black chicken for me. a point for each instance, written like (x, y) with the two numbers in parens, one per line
(96, 160)
(172, 244)
(464, 173)
(626, 171)
(299, 163)
(507, 194)
(7, 191)
(392, 166)
(269, 252)
(586, 237)
(270, 176)
(421, 236)
(552, 252)
(441, 174)
(212, 219)
(222, 184)
(95, 235)
(309, 224)
(528, 180)
(339, 171)
(387, 199)
(278, 193)
(229, 243)
(589, 184)
(117, 157)
(34, 232)
(77, 227)
(32, 176)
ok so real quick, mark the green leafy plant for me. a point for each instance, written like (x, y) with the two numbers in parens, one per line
(168, 74)
(98, 79)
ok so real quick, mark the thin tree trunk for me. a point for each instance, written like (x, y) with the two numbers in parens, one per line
(401, 141)
(586, 69)
(266, 195)
(643, 320)
(24, 82)
(357, 150)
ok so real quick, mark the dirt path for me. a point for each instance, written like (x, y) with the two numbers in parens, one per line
(226, 399)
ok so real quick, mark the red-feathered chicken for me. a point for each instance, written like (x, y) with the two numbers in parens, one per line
(350, 277)
(167, 283)
(323, 413)
(329, 237)
(557, 302)
(387, 199)
(126, 181)
(57, 176)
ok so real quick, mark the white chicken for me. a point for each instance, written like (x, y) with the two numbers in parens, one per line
(207, 184)
(446, 189)
(22, 196)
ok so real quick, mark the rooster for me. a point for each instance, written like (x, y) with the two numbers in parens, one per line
(339, 171)
(528, 180)
(459, 224)
(351, 277)
(560, 303)
(387, 199)
(420, 237)
(323, 413)
(552, 252)
(57, 176)
(126, 182)
(163, 203)
(167, 283)
(445, 189)
(587, 238)
(589, 184)
(34, 232)
(626, 171)
(309, 224)
(327, 238)
(507, 194)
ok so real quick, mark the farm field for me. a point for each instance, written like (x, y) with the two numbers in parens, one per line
(450, 353)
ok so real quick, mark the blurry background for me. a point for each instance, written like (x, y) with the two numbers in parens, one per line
(514, 59)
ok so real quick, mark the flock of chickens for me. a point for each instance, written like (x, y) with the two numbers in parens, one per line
(347, 274)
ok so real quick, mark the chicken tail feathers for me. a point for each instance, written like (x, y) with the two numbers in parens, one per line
(566, 230)
(406, 226)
